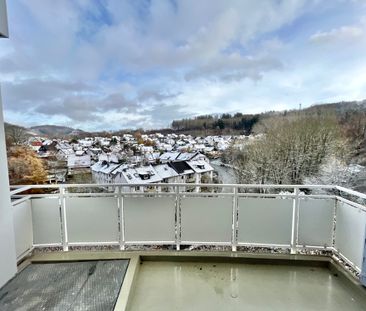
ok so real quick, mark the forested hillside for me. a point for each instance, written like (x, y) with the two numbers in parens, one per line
(226, 123)
(239, 123)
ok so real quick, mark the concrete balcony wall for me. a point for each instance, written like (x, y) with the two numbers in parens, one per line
(7, 242)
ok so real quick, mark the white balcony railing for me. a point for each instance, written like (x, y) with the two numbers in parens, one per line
(84, 215)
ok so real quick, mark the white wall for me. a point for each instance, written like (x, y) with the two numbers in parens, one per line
(3, 20)
(8, 266)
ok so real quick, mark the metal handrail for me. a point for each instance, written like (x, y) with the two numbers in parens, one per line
(178, 191)
(258, 186)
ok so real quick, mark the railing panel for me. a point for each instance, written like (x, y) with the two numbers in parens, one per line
(91, 220)
(206, 219)
(46, 221)
(231, 218)
(265, 221)
(22, 216)
(149, 219)
(350, 232)
(316, 218)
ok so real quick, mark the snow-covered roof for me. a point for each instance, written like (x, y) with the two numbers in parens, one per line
(135, 159)
(165, 171)
(152, 156)
(96, 167)
(200, 166)
(209, 149)
(47, 142)
(78, 161)
(169, 156)
(63, 146)
(104, 167)
(110, 157)
(141, 175)
(85, 142)
(120, 168)
(186, 156)
(181, 167)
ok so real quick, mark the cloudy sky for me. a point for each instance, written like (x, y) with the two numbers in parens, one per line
(125, 64)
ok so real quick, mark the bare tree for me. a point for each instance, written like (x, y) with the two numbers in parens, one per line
(291, 148)
(15, 135)
(337, 172)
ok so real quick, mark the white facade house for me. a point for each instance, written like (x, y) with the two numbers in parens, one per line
(102, 172)
(109, 157)
(139, 175)
(201, 168)
(170, 172)
(167, 173)
(8, 263)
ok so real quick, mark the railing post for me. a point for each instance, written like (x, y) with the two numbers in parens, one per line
(65, 239)
(334, 221)
(295, 221)
(177, 218)
(234, 238)
(121, 219)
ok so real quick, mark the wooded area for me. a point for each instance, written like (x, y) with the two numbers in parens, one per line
(238, 122)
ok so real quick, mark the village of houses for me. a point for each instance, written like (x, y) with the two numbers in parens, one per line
(148, 159)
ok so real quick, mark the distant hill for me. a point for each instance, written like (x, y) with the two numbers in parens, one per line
(10, 126)
(55, 131)
(240, 123)
(217, 124)
(339, 108)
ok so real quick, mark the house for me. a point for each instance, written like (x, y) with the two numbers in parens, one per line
(64, 150)
(139, 175)
(201, 168)
(78, 161)
(87, 142)
(152, 157)
(35, 145)
(48, 149)
(167, 173)
(186, 173)
(168, 156)
(189, 156)
(109, 157)
(102, 172)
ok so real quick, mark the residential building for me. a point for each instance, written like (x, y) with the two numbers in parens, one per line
(80, 160)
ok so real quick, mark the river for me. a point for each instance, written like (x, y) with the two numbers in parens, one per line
(226, 174)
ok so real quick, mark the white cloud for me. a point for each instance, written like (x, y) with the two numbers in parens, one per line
(342, 34)
(117, 64)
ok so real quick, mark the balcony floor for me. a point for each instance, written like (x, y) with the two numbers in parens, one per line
(87, 285)
(223, 286)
